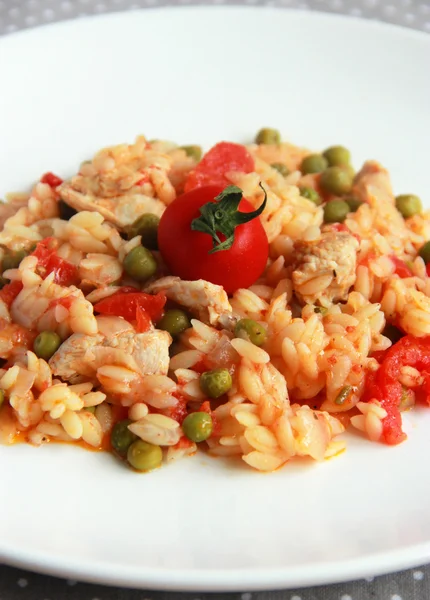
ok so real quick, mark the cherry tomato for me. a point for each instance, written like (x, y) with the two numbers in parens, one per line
(133, 306)
(221, 159)
(49, 262)
(51, 180)
(187, 252)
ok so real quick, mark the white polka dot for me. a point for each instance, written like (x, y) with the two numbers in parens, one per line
(418, 575)
(71, 582)
(296, 598)
(356, 12)
(66, 6)
(409, 17)
(396, 597)
(48, 13)
(246, 596)
(427, 25)
(336, 4)
(346, 597)
(13, 12)
(100, 7)
(22, 582)
(369, 579)
(31, 2)
(389, 9)
(370, 3)
(424, 8)
(30, 20)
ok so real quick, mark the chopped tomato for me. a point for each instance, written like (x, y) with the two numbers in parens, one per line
(178, 412)
(143, 321)
(126, 304)
(10, 291)
(51, 179)
(428, 269)
(18, 335)
(65, 301)
(402, 269)
(184, 442)
(221, 159)
(49, 262)
(384, 385)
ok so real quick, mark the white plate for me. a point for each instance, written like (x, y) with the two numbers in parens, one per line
(201, 75)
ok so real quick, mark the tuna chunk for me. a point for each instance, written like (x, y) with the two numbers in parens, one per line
(325, 268)
(205, 300)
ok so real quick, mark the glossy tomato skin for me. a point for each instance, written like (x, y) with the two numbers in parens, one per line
(186, 252)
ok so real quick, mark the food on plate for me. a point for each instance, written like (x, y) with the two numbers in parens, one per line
(253, 301)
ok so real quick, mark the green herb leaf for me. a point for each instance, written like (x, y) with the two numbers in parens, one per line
(222, 216)
(343, 395)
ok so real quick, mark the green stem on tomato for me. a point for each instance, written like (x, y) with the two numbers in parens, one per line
(222, 216)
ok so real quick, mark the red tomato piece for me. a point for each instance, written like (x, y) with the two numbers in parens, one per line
(51, 179)
(10, 291)
(221, 159)
(186, 252)
(402, 269)
(428, 269)
(384, 385)
(125, 304)
(49, 262)
(143, 322)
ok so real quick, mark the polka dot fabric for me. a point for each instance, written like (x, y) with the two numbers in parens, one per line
(409, 585)
(21, 14)
(14, 584)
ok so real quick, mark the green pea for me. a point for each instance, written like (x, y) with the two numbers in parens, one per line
(175, 321)
(337, 156)
(281, 168)
(146, 226)
(121, 437)
(140, 264)
(311, 194)
(267, 135)
(392, 333)
(314, 163)
(335, 211)
(1, 397)
(408, 205)
(46, 344)
(12, 260)
(197, 426)
(424, 252)
(66, 211)
(251, 330)
(342, 396)
(353, 203)
(194, 152)
(336, 180)
(143, 456)
(215, 383)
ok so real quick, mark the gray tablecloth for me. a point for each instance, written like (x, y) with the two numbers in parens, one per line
(14, 583)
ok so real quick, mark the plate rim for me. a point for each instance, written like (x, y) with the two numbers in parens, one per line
(221, 580)
(218, 580)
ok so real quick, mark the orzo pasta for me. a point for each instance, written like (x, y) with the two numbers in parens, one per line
(254, 302)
